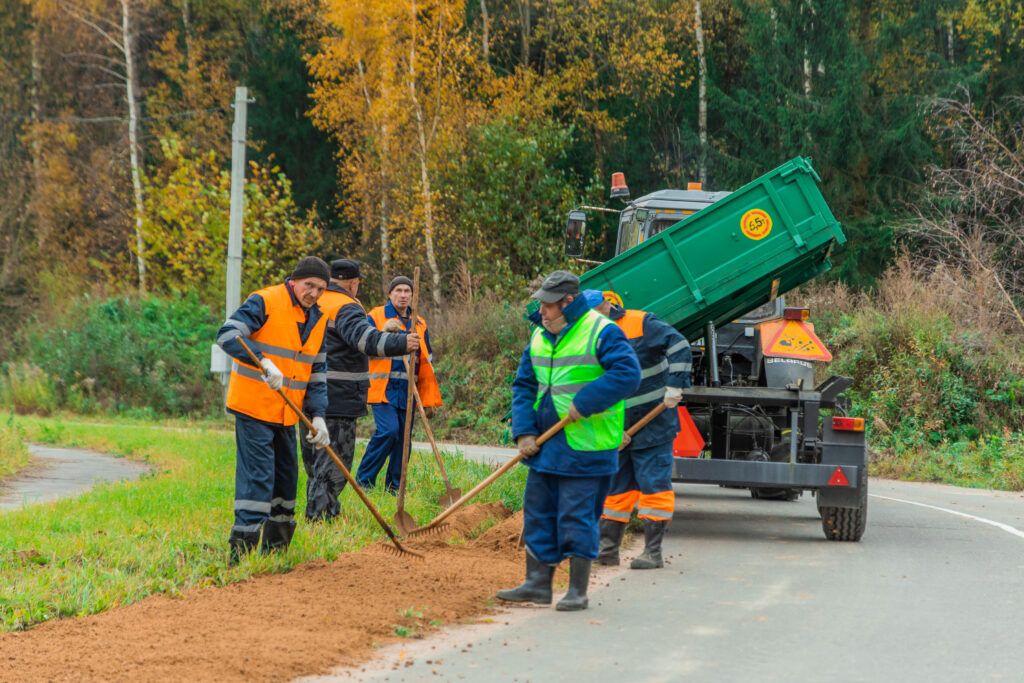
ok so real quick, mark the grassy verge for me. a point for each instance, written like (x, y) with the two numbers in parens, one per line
(168, 531)
(13, 452)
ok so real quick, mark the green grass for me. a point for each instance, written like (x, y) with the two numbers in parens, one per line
(994, 462)
(14, 454)
(168, 531)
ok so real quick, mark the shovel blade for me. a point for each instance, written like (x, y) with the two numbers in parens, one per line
(449, 498)
(404, 522)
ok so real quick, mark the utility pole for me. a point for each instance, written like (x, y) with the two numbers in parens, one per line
(233, 289)
(220, 362)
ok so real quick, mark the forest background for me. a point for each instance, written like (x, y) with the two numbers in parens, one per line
(456, 135)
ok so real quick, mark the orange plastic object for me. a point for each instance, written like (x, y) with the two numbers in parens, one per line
(688, 442)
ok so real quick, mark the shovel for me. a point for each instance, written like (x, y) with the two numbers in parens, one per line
(403, 520)
(341, 466)
(450, 494)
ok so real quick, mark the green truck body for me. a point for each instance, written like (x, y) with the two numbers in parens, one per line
(721, 262)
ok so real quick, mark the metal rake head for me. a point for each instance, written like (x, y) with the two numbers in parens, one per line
(397, 549)
(428, 530)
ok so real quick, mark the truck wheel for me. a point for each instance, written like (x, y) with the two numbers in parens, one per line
(846, 524)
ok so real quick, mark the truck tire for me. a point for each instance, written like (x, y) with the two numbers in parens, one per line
(846, 524)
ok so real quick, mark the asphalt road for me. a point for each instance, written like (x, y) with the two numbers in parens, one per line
(934, 592)
(56, 473)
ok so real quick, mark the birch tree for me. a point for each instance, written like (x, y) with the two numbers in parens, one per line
(119, 34)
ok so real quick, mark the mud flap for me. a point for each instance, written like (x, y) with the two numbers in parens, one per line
(847, 450)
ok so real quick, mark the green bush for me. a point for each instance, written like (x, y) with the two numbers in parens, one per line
(140, 356)
(25, 388)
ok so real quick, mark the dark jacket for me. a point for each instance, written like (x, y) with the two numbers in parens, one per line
(665, 360)
(349, 339)
(620, 379)
(251, 316)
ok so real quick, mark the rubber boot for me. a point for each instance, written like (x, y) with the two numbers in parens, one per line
(241, 543)
(579, 577)
(537, 586)
(276, 536)
(651, 558)
(611, 539)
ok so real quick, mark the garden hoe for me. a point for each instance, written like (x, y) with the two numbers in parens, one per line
(450, 494)
(398, 549)
(403, 520)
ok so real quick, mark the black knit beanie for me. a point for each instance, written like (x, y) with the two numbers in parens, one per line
(400, 280)
(311, 266)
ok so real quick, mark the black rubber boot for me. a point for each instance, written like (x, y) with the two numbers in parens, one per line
(537, 586)
(579, 577)
(611, 539)
(241, 543)
(651, 558)
(277, 536)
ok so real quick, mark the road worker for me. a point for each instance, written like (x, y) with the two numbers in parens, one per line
(644, 479)
(579, 365)
(284, 326)
(389, 387)
(350, 337)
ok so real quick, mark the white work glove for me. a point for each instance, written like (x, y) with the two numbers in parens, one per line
(272, 376)
(673, 395)
(319, 436)
(574, 414)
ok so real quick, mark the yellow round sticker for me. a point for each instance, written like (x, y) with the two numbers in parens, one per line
(756, 224)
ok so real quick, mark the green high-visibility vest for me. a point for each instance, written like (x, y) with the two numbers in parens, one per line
(568, 367)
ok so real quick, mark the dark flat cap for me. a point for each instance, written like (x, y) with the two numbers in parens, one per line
(345, 269)
(557, 286)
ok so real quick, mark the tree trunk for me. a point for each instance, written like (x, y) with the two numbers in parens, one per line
(486, 21)
(423, 153)
(524, 32)
(131, 86)
(702, 106)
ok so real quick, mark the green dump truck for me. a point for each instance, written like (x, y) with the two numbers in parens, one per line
(715, 265)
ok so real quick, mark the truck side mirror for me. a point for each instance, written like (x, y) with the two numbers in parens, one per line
(575, 230)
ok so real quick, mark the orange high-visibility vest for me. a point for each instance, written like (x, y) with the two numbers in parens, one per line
(279, 341)
(632, 324)
(330, 302)
(380, 368)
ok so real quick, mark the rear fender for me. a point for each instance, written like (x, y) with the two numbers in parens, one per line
(841, 448)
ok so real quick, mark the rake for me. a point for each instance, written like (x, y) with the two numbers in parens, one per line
(398, 549)
(435, 525)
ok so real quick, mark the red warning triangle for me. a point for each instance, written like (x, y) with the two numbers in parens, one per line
(838, 478)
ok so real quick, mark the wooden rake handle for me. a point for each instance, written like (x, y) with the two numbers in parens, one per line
(646, 419)
(337, 461)
(557, 427)
(410, 369)
(430, 434)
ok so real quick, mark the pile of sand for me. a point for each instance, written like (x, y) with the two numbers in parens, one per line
(279, 627)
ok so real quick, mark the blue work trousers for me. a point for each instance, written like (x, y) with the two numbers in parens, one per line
(385, 444)
(647, 470)
(266, 477)
(560, 515)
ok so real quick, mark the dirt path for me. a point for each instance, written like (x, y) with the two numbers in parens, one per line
(280, 627)
(56, 473)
